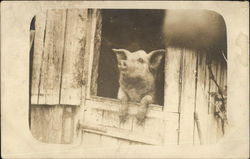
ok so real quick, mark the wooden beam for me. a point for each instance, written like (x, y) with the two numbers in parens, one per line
(73, 62)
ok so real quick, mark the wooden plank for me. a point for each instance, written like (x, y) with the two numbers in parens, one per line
(46, 123)
(52, 59)
(224, 84)
(207, 86)
(202, 100)
(114, 106)
(67, 125)
(92, 116)
(143, 134)
(40, 25)
(212, 123)
(172, 79)
(96, 49)
(187, 97)
(173, 68)
(73, 62)
(123, 134)
(37, 123)
(170, 129)
(80, 111)
(219, 80)
(84, 113)
(94, 42)
(109, 127)
(54, 119)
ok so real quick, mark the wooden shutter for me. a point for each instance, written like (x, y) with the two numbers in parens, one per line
(59, 70)
(58, 61)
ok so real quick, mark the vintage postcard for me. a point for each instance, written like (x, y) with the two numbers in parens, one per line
(125, 79)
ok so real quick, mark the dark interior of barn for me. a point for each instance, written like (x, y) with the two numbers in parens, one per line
(132, 30)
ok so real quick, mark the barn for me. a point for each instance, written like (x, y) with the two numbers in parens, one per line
(74, 79)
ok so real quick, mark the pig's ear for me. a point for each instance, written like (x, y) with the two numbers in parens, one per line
(121, 54)
(155, 58)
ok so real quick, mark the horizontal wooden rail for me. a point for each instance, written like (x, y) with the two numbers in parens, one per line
(111, 105)
(119, 133)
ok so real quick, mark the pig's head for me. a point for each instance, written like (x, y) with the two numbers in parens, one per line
(138, 64)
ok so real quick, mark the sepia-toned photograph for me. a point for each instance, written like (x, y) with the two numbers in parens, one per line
(125, 78)
(139, 75)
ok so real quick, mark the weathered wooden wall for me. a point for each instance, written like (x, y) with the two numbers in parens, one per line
(188, 90)
(58, 63)
(52, 124)
(152, 132)
(58, 79)
(63, 91)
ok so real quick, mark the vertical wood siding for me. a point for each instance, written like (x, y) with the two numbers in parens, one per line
(193, 88)
(65, 62)
(58, 73)
(52, 124)
(59, 57)
(51, 70)
(40, 25)
(73, 63)
(187, 104)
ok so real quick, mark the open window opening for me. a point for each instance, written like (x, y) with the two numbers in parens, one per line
(132, 30)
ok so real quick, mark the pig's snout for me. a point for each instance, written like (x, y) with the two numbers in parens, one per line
(122, 65)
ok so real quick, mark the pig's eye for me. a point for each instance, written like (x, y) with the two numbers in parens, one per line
(140, 60)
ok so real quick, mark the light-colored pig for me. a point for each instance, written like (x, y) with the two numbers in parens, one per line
(137, 79)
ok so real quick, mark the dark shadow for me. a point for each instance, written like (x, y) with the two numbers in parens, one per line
(32, 28)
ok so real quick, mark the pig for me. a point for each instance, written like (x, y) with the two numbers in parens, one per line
(137, 77)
